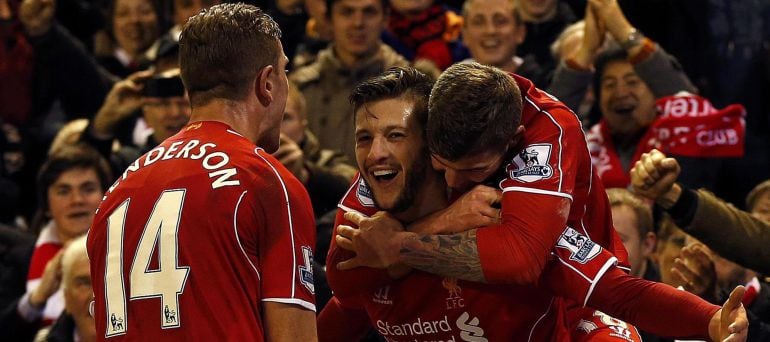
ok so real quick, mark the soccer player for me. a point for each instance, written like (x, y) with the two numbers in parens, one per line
(207, 236)
(391, 112)
(572, 245)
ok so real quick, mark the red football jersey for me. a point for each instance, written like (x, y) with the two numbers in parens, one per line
(549, 183)
(427, 307)
(195, 235)
(555, 212)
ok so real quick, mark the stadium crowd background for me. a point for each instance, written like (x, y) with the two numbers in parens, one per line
(86, 87)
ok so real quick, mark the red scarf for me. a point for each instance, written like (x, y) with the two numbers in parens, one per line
(16, 64)
(687, 125)
(424, 34)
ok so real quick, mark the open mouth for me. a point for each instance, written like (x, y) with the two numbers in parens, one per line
(624, 109)
(490, 43)
(79, 215)
(383, 176)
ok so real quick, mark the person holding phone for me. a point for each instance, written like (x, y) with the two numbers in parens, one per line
(161, 104)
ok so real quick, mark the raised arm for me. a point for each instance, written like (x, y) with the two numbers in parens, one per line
(732, 233)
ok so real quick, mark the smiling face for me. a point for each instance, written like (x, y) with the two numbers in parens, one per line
(357, 25)
(135, 25)
(166, 116)
(625, 100)
(390, 152)
(72, 201)
(492, 33)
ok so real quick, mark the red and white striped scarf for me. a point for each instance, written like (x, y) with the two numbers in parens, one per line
(46, 247)
(687, 125)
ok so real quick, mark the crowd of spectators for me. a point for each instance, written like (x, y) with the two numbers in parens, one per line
(88, 86)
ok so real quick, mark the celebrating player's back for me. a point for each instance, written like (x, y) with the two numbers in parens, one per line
(208, 237)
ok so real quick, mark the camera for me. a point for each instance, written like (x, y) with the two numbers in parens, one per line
(164, 86)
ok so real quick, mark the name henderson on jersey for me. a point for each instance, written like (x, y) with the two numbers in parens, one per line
(213, 161)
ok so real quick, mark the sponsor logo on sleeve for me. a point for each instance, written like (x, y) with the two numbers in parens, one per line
(531, 164)
(306, 269)
(364, 194)
(582, 249)
(586, 326)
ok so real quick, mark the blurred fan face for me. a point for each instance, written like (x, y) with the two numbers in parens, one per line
(625, 100)
(166, 116)
(73, 199)
(627, 225)
(78, 292)
(357, 25)
(294, 123)
(135, 25)
(537, 10)
(491, 32)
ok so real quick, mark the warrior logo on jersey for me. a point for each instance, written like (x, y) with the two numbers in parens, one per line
(364, 194)
(531, 164)
(306, 269)
(582, 248)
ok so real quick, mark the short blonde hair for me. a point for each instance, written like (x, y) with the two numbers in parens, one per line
(567, 32)
(620, 196)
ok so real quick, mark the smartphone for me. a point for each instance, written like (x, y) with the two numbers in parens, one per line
(164, 87)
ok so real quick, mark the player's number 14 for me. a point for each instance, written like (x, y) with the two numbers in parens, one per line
(166, 282)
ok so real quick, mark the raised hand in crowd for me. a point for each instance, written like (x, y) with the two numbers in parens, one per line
(654, 176)
(37, 16)
(49, 282)
(610, 13)
(593, 38)
(124, 98)
(696, 271)
(290, 155)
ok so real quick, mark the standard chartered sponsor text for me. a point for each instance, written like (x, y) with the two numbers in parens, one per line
(428, 330)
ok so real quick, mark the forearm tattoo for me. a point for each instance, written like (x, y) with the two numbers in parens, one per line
(453, 256)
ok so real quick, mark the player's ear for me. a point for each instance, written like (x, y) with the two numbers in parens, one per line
(264, 86)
